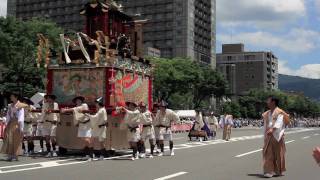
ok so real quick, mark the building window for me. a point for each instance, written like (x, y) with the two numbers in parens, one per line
(249, 57)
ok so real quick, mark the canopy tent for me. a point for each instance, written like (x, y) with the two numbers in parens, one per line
(37, 99)
(186, 113)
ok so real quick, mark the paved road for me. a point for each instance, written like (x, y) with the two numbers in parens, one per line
(239, 159)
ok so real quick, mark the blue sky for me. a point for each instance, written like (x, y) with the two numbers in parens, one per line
(289, 28)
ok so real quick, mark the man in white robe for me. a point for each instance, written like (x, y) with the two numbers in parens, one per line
(83, 124)
(274, 148)
(50, 118)
(147, 130)
(164, 119)
(99, 129)
(28, 126)
(133, 120)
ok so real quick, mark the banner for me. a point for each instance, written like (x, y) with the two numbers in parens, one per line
(129, 87)
(69, 83)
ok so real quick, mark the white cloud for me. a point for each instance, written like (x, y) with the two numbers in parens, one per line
(295, 41)
(260, 12)
(308, 71)
(3, 7)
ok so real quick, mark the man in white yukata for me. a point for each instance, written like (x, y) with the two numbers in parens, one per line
(83, 124)
(132, 119)
(29, 118)
(164, 119)
(148, 130)
(99, 129)
(275, 120)
(50, 119)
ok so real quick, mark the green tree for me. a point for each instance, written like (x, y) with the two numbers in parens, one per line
(255, 103)
(209, 84)
(232, 108)
(18, 48)
(185, 83)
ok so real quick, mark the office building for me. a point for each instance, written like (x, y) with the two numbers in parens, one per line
(246, 70)
(64, 12)
(178, 28)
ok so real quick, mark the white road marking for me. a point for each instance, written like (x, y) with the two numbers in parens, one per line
(197, 143)
(178, 138)
(43, 165)
(57, 163)
(251, 152)
(171, 176)
(30, 164)
(185, 145)
(306, 137)
(258, 150)
(316, 134)
(287, 142)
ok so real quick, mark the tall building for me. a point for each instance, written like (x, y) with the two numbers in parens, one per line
(247, 70)
(178, 28)
(64, 12)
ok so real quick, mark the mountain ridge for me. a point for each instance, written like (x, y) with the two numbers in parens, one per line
(309, 87)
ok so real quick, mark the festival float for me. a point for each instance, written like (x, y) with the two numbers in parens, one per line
(105, 60)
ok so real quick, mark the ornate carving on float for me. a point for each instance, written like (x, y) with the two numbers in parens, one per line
(110, 45)
(43, 50)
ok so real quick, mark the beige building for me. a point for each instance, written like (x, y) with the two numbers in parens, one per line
(247, 70)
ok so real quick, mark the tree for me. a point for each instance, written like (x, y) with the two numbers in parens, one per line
(185, 83)
(298, 105)
(232, 108)
(18, 47)
(210, 84)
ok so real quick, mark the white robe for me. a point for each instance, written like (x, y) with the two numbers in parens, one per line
(167, 118)
(84, 129)
(98, 119)
(147, 132)
(198, 122)
(15, 113)
(29, 119)
(226, 120)
(132, 120)
(80, 117)
(55, 117)
(278, 125)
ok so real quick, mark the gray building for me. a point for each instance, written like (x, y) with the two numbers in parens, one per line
(247, 70)
(64, 12)
(152, 52)
(178, 28)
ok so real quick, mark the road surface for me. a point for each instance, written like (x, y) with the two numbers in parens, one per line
(238, 159)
